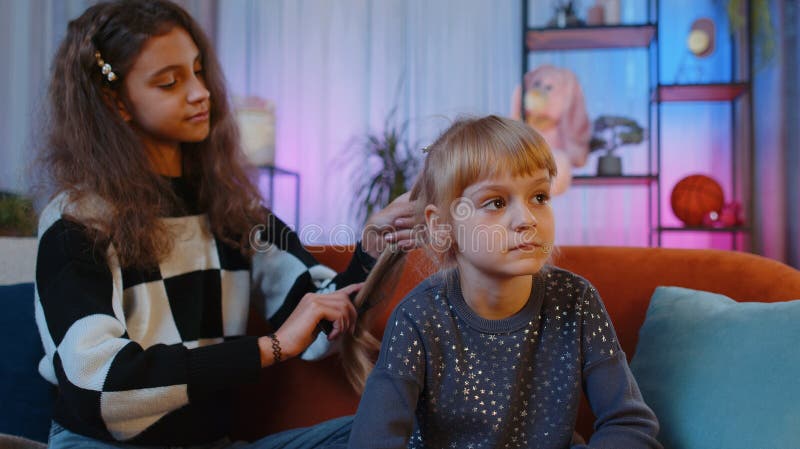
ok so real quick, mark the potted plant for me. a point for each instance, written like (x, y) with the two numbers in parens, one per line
(17, 216)
(763, 31)
(389, 166)
(611, 132)
(564, 15)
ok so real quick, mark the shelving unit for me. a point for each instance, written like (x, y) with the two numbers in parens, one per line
(626, 180)
(735, 92)
(734, 229)
(700, 92)
(712, 92)
(623, 36)
(589, 37)
(646, 36)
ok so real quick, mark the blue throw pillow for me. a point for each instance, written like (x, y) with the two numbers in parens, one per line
(720, 373)
(26, 398)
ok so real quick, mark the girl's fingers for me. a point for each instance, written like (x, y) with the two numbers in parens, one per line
(340, 311)
(398, 236)
(339, 326)
(335, 332)
(350, 289)
(404, 240)
(408, 245)
(404, 222)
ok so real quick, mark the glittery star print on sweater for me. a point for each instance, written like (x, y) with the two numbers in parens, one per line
(448, 378)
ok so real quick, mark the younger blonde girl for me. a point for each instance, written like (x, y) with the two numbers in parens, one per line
(494, 350)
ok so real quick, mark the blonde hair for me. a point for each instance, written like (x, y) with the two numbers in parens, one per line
(470, 150)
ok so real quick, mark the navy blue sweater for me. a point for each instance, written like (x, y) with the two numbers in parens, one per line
(448, 378)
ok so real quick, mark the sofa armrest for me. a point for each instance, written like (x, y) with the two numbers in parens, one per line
(15, 442)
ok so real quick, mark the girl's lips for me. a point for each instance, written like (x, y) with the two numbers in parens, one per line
(526, 247)
(201, 117)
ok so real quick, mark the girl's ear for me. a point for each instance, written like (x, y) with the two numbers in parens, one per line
(114, 101)
(439, 230)
(431, 216)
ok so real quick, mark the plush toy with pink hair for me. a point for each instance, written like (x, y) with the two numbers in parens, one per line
(554, 106)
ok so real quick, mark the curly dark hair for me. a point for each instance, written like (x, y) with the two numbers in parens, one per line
(89, 151)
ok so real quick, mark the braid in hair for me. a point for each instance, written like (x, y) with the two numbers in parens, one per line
(358, 348)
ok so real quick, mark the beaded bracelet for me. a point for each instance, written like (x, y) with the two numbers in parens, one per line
(276, 347)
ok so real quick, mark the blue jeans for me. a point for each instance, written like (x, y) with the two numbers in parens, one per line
(331, 434)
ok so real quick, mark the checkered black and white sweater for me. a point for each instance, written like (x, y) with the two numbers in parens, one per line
(149, 356)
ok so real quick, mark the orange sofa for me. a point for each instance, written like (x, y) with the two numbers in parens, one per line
(298, 393)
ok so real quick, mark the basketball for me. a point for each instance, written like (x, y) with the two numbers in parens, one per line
(693, 197)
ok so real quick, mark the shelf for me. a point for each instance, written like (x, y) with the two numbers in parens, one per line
(700, 92)
(614, 180)
(735, 229)
(590, 37)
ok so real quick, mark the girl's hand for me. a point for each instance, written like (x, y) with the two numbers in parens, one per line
(393, 224)
(300, 329)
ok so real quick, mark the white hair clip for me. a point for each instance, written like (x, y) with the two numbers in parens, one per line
(108, 72)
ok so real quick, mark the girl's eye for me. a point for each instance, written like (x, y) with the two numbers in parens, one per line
(541, 198)
(167, 85)
(495, 204)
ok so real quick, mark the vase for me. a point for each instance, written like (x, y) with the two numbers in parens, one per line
(609, 165)
(611, 11)
(596, 15)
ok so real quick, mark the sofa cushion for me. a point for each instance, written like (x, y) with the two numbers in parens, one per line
(25, 396)
(720, 373)
(17, 259)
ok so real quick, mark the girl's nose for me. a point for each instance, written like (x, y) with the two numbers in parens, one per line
(197, 91)
(523, 218)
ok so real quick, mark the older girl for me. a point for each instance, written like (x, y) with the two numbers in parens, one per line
(146, 263)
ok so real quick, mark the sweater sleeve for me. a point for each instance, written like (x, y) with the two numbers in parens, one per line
(398, 380)
(110, 381)
(622, 417)
(283, 271)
